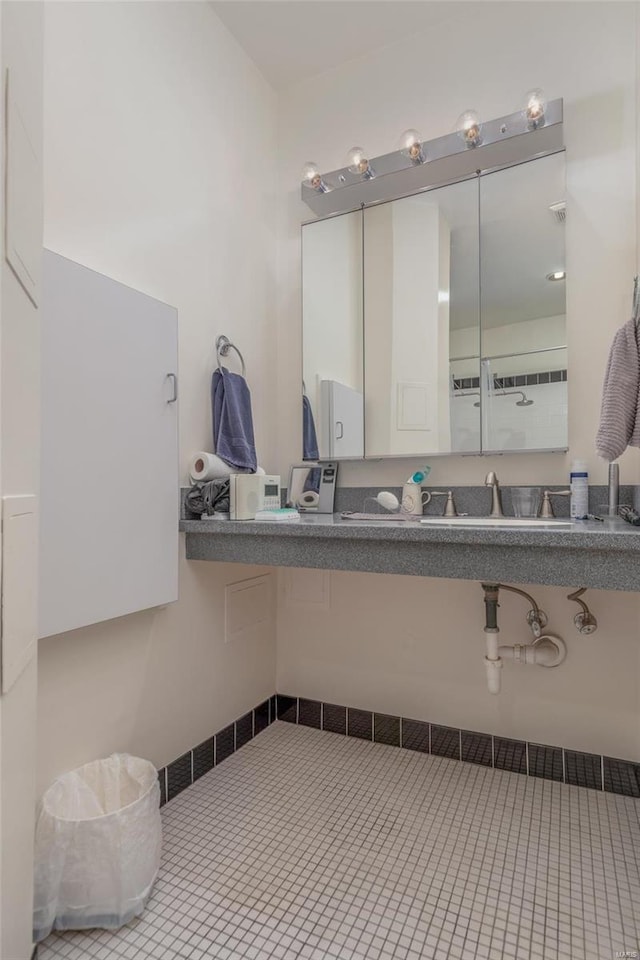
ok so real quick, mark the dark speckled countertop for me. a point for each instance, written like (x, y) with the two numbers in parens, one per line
(587, 553)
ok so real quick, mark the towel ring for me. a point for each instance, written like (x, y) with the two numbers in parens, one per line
(223, 346)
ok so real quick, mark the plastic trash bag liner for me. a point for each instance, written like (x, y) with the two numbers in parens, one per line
(97, 849)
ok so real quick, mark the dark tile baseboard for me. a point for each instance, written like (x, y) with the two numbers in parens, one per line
(517, 756)
(193, 764)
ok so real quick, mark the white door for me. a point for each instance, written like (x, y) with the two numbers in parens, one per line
(110, 486)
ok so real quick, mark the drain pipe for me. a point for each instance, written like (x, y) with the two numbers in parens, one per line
(492, 660)
(547, 650)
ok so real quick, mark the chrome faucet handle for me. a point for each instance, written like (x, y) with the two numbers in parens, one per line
(450, 505)
(546, 508)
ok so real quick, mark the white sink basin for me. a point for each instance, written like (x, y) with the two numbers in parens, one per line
(530, 522)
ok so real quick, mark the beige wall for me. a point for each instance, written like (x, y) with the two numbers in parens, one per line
(515, 339)
(414, 646)
(21, 55)
(154, 119)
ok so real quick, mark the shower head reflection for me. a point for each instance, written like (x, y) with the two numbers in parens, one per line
(523, 402)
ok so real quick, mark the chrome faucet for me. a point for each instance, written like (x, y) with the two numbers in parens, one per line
(491, 480)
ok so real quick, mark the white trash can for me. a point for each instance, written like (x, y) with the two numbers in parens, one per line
(98, 842)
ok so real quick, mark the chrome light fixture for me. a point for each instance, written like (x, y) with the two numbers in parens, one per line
(358, 164)
(410, 145)
(536, 105)
(311, 176)
(557, 275)
(470, 129)
(417, 164)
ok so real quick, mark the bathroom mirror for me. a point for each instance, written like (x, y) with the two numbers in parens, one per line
(312, 487)
(421, 291)
(332, 364)
(523, 307)
(436, 324)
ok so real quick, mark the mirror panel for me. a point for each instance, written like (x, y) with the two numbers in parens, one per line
(523, 314)
(465, 406)
(421, 300)
(332, 338)
(525, 401)
(464, 342)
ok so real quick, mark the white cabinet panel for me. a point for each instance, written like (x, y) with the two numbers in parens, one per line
(342, 423)
(110, 489)
(247, 605)
(412, 409)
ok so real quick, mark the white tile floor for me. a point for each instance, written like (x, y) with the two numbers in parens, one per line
(310, 845)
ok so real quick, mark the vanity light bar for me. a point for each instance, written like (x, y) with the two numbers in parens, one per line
(505, 142)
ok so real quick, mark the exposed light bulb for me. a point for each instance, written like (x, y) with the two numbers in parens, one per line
(536, 104)
(358, 163)
(470, 128)
(311, 176)
(557, 275)
(410, 145)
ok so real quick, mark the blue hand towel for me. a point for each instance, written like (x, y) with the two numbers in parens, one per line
(232, 420)
(309, 439)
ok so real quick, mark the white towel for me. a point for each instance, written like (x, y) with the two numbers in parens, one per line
(620, 412)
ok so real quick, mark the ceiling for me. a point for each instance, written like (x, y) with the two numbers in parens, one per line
(291, 40)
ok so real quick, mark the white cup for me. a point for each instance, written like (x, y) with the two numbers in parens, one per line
(414, 499)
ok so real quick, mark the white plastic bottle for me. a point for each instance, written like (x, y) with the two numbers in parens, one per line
(579, 490)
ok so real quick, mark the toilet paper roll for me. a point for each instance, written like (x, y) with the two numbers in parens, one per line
(308, 499)
(207, 466)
